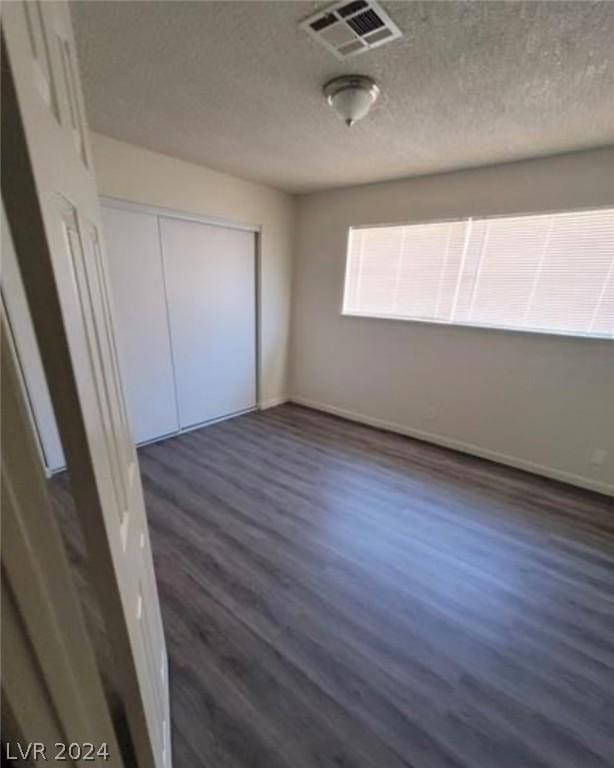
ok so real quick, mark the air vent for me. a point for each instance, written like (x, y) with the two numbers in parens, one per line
(350, 28)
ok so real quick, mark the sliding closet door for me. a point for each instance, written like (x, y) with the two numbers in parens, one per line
(137, 281)
(210, 273)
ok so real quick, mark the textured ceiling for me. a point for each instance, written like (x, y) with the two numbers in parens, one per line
(237, 86)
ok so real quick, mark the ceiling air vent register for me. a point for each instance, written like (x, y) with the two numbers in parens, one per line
(347, 29)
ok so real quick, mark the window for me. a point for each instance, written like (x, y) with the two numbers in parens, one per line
(551, 273)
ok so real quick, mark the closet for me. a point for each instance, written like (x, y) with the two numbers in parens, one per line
(185, 306)
(185, 316)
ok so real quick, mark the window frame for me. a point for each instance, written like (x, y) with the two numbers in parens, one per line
(583, 335)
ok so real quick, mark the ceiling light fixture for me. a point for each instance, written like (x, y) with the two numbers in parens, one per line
(351, 96)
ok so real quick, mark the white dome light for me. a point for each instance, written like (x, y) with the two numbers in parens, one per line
(351, 96)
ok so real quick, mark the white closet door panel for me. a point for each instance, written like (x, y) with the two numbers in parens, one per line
(137, 280)
(210, 274)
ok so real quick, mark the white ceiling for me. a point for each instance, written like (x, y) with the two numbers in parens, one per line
(237, 86)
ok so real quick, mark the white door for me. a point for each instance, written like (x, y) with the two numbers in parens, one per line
(211, 288)
(51, 204)
(50, 684)
(137, 282)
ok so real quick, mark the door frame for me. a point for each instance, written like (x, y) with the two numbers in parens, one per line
(51, 684)
(31, 373)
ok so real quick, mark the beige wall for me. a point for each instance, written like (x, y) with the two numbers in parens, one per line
(536, 401)
(131, 173)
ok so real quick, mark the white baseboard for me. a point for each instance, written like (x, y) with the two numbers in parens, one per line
(272, 402)
(458, 445)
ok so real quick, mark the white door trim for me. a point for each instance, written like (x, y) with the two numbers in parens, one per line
(172, 213)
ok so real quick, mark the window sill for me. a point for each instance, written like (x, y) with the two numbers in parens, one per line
(478, 327)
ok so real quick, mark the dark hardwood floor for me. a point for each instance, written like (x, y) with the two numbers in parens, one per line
(335, 596)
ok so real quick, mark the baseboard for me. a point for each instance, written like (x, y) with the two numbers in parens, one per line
(272, 402)
(458, 445)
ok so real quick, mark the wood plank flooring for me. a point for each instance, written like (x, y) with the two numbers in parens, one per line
(336, 596)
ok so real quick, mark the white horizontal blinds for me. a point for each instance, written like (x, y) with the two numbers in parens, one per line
(469, 269)
(403, 271)
(503, 279)
(351, 303)
(430, 259)
(550, 272)
(374, 264)
(602, 321)
(574, 273)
